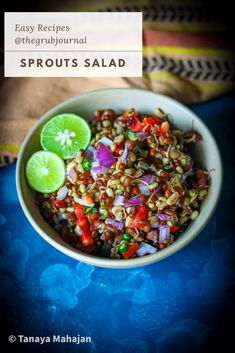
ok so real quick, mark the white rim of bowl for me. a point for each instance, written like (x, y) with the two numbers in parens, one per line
(107, 262)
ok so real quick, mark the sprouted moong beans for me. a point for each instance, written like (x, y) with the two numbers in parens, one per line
(133, 191)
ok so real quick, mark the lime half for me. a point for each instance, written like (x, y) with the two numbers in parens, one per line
(65, 134)
(45, 172)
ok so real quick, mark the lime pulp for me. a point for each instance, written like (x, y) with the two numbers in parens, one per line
(45, 172)
(65, 135)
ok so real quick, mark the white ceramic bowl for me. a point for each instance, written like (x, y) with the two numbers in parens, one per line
(121, 99)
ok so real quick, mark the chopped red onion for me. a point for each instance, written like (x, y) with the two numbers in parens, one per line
(164, 233)
(155, 225)
(71, 174)
(83, 202)
(104, 156)
(62, 193)
(119, 201)
(90, 153)
(146, 249)
(97, 169)
(144, 189)
(124, 155)
(163, 217)
(142, 134)
(148, 178)
(134, 201)
(105, 141)
(94, 175)
(100, 169)
(117, 224)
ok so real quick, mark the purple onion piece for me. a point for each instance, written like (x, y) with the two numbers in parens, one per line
(146, 249)
(104, 156)
(71, 174)
(125, 155)
(148, 178)
(142, 134)
(116, 224)
(100, 169)
(119, 201)
(83, 202)
(164, 233)
(134, 201)
(94, 175)
(62, 193)
(155, 225)
(163, 217)
(144, 189)
(90, 153)
(105, 141)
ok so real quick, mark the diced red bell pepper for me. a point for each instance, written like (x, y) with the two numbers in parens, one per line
(131, 250)
(83, 224)
(86, 238)
(148, 123)
(140, 216)
(119, 147)
(158, 119)
(157, 131)
(174, 229)
(135, 124)
(78, 211)
(165, 127)
(59, 203)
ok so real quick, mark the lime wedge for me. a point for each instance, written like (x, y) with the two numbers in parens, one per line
(65, 134)
(45, 172)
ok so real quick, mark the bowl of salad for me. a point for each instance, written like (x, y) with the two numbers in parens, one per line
(119, 178)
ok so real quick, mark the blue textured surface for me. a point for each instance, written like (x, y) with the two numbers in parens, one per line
(182, 304)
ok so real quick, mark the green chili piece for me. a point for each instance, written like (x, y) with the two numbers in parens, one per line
(86, 209)
(123, 247)
(94, 210)
(131, 135)
(126, 236)
(87, 165)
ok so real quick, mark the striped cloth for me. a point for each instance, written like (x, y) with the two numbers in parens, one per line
(186, 55)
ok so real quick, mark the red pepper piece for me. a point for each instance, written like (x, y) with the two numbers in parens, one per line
(59, 203)
(78, 211)
(131, 250)
(140, 216)
(174, 229)
(83, 224)
(86, 238)
(148, 123)
(119, 147)
(165, 128)
(135, 124)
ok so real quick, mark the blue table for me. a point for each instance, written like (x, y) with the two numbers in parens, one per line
(182, 304)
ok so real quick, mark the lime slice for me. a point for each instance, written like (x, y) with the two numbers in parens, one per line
(65, 135)
(45, 172)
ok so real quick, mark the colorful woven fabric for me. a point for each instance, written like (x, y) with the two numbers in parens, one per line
(186, 53)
